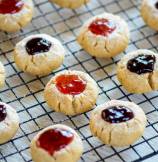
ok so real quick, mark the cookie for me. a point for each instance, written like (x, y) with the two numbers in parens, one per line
(73, 4)
(2, 75)
(149, 12)
(15, 14)
(9, 122)
(71, 92)
(104, 35)
(118, 123)
(138, 71)
(39, 54)
(56, 143)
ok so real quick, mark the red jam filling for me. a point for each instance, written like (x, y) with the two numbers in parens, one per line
(10, 6)
(102, 27)
(70, 84)
(54, 140)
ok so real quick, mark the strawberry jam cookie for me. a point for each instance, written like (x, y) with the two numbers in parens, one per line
(71, 92)
(15, 14)
(149, 12)
(2, 75)
(39, 54)
(9, 122)
(138, 71)
(105, 35)
(118, 123)
(56, 143)
(73, 4)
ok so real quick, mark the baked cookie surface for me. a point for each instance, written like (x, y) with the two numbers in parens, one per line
(15, 14)
(118, 123)
(71, 92)
(39, 54)
(104, 35)
(149, 12)
(9, 122)
(56, 143)
(2, 75)
(73, 4)
(137, 71)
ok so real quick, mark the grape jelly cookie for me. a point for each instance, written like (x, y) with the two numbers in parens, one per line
(149, 12)
(105, 35)
(118, 123)
(57, 143)
(15, 14)
(9, 122)
(39, 54)
(71, 92)
(138, 71)
(70, 3)
(2, 75)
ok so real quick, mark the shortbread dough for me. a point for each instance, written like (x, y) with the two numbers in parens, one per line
(73, 4)
(44, 54)
(149, 12)
(12, 22)
(2, 75)
(104, 35)
(56, 143)
(118, 123)
(82, 96)
(145, 77)
(9, 122)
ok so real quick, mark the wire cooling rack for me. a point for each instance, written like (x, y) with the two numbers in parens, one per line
(25, 92)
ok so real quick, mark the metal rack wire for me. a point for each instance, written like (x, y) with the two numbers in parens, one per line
(25, 92)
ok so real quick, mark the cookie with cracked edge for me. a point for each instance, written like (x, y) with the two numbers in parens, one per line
(71, 92)
(149, 12)
(56, 143)
(104, 35)
(9, 122)
(39, 54)
(73, 4)
(15, 14)
(118, 123)
(137, 71)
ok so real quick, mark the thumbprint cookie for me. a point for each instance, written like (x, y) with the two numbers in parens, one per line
(118, 123)
(56, 143)
(72, 4)
(138, 71)
(15, 14)
(39, 54)
(9, 122)
(149, 12)
(104, 35)
(71, 92)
